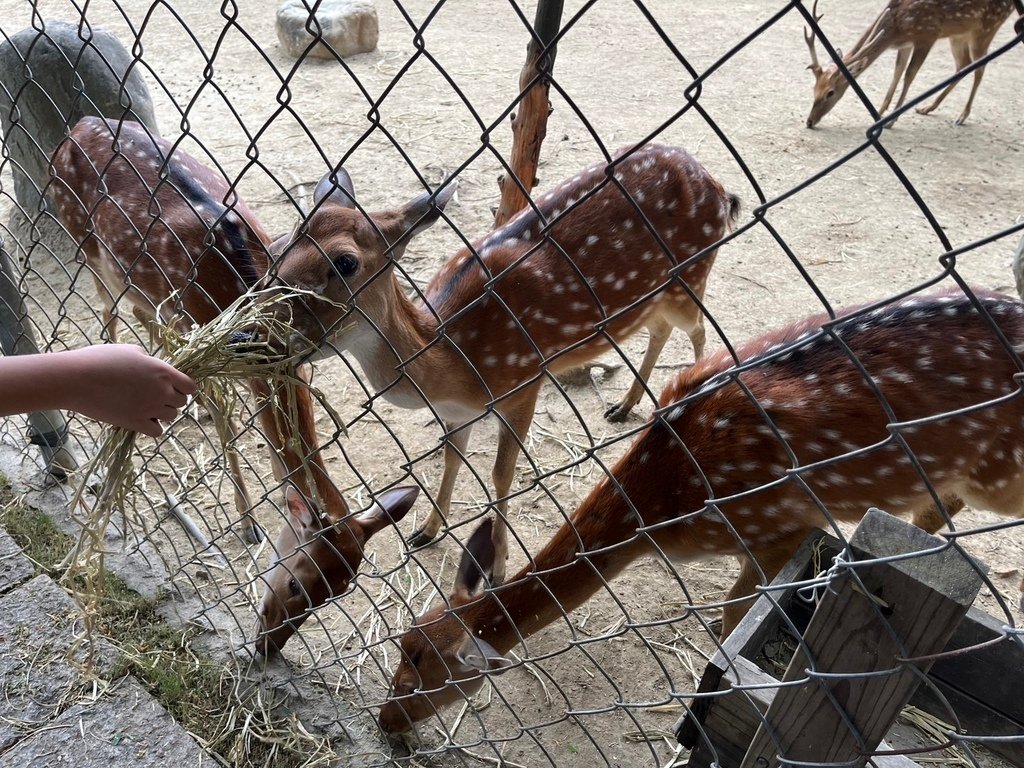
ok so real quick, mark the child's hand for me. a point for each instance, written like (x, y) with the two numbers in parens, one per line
(123, 385)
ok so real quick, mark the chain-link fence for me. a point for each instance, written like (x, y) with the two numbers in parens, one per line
(832, 419)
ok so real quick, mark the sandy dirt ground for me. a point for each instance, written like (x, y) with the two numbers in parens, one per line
(856, 232)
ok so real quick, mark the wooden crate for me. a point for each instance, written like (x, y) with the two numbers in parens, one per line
(983, 686)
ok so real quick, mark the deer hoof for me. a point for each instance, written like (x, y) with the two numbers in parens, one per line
(420, 538)
(617, 412)
(253, 533)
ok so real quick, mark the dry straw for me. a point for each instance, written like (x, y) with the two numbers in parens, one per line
(218, 356)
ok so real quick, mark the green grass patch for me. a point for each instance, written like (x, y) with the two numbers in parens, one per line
(35, 532)
(190, 687)
(198, 693)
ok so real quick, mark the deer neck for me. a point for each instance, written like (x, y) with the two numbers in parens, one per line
(398, 350)
(564, 575)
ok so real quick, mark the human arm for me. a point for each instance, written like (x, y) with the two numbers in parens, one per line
(120, 384)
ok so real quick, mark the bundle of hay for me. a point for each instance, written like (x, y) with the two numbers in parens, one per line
(217, 356)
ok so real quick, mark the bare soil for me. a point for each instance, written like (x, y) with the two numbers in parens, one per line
(856, 232)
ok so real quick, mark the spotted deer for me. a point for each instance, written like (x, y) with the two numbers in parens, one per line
(746, 460)
(561, 283)
(912, 27)
(172, 237)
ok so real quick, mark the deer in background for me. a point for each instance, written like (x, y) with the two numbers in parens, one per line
(911, 27)
(795, 429)
(173, 237)
(558, 285)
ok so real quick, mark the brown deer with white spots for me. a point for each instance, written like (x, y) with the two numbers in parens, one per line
(747, 460)
(912, 27)
(564, 281)
(171, 236)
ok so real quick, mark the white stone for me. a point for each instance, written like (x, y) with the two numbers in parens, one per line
(348, 27)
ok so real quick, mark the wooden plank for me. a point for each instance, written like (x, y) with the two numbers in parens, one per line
(975, 717)
(729, 721)
(991, 674)
(746, 640)
(863, 625)
(735, 717)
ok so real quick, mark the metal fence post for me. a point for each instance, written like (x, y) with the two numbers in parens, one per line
(47, 429)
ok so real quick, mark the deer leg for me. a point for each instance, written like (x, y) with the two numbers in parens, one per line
(659, 331)
(769, 562)
(930, 519)
(109, 316)
(289, 427)
(902, 58)
(228, 432)
(90, 255)
(970, 99)
(516, 420)
(978, 49)
(962, 57)
(916, 60)
(454, 456)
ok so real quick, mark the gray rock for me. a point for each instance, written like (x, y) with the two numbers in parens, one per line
(1018, 267)
(14, 566)
(124, 727)
(49, 80)
(347, 26)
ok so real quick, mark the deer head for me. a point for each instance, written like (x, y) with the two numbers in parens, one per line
(343, 260)
(320, 559)
(442, 661)
(829, 84)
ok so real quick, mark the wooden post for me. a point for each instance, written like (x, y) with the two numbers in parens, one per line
(864, 624)
(530, 124)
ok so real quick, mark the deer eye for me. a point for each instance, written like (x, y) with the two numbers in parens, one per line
(346, 264)
(831, 93)
(293, 587)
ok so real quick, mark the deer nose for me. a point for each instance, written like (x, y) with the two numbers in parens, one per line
(248, 342)
(393, 719)
(265, 646)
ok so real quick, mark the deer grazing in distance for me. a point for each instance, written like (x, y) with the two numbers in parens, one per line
(795, 425)
(912, 27)
(553, 288)
(158, 227)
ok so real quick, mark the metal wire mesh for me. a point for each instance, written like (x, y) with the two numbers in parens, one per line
(853, 212)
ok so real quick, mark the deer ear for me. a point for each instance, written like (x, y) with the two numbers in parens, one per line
(388, 508)
(301, 511)
(424, 210)
(482, 656)
(335, 187)
(477, 562)
(277, 245)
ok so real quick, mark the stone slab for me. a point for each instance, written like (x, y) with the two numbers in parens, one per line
(42, 647)
(125, 727)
